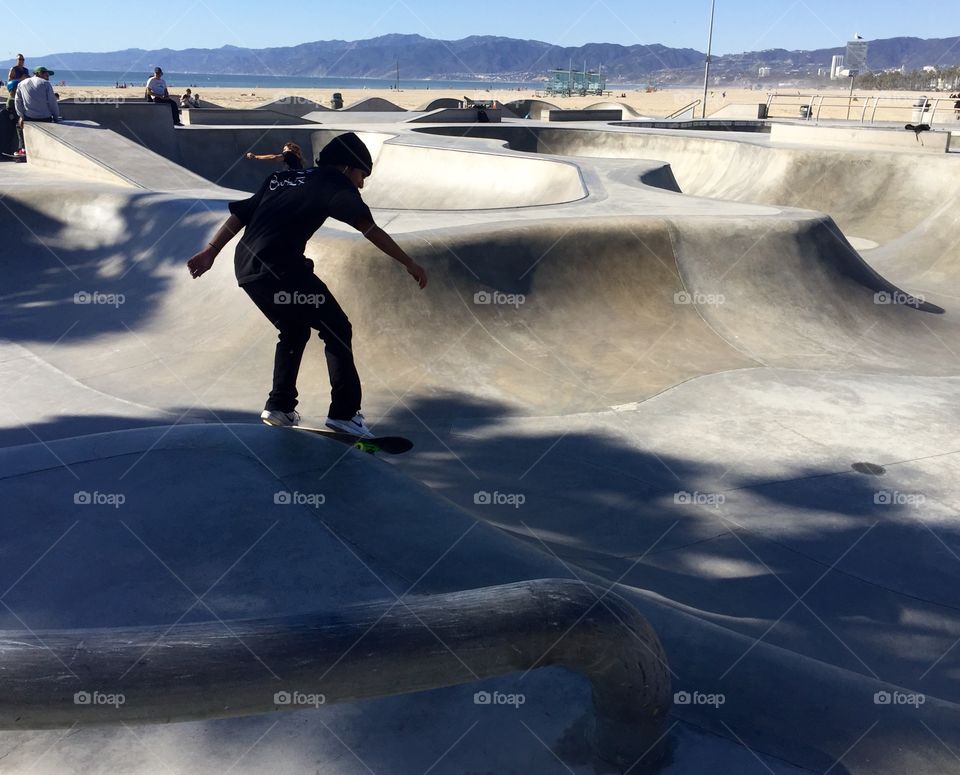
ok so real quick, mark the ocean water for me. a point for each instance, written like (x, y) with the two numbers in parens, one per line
(206, 80)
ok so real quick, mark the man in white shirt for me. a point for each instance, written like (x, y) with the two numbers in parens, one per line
(35, 101)
(156, 91)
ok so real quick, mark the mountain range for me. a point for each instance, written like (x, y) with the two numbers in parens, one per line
(498, 57)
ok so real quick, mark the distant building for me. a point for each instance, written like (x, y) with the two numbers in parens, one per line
(836, 65)
(764, 72)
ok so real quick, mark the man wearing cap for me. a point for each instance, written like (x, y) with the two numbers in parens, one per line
(35, 101)
(156, 91)
(270, 266)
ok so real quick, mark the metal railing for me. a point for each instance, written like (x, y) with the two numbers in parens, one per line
(685, 108)
(207, 670)
(865, 108)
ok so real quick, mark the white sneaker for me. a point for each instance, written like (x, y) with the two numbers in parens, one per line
(355, 427)
(280, 419)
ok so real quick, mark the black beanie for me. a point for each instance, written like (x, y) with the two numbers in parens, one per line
(346, 149)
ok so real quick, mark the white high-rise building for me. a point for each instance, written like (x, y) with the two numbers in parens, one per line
(836, 65)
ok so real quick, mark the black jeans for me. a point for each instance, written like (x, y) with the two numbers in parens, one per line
(295, 306)
(173, 107)
(20, 128)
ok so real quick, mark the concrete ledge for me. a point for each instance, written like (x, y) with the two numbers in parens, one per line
(584, 115)
(241, 117)
(931, 142)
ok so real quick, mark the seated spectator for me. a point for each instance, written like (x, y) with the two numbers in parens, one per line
(291, 155)
(35, 101)
(187, 100)
(156, 91)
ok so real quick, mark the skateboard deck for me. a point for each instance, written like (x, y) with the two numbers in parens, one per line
(392, 445)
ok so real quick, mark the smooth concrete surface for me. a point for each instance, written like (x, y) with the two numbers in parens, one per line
(458, 116)
(930, 142)
(685, 384)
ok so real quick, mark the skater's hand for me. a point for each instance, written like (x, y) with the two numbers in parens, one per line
(201, 262)
(248, 156)
(418, 273)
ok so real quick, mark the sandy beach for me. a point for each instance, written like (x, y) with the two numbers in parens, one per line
(659, 103)
(654, 103)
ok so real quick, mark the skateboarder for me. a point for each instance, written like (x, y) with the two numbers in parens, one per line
(270, 266)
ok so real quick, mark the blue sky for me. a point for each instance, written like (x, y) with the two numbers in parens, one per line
(742, 25)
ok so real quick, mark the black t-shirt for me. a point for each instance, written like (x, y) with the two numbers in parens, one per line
(279, 219)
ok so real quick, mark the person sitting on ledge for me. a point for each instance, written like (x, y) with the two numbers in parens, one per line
(35, 101)
(188, 100)
(291, 155)
(156, 91)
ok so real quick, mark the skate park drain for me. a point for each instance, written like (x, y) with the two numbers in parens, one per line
(870, 469)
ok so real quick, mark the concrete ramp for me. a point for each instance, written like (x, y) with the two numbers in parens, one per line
(96, 153)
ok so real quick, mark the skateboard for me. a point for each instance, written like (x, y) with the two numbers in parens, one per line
(392, 445)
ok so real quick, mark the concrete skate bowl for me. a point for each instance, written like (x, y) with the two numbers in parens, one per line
(876, 197)
(504, 302)
(407, 177)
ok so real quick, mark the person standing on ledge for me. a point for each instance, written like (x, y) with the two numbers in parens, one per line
(270, 266)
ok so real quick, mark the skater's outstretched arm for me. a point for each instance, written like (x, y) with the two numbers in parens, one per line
(385, 242)
(203, 260)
